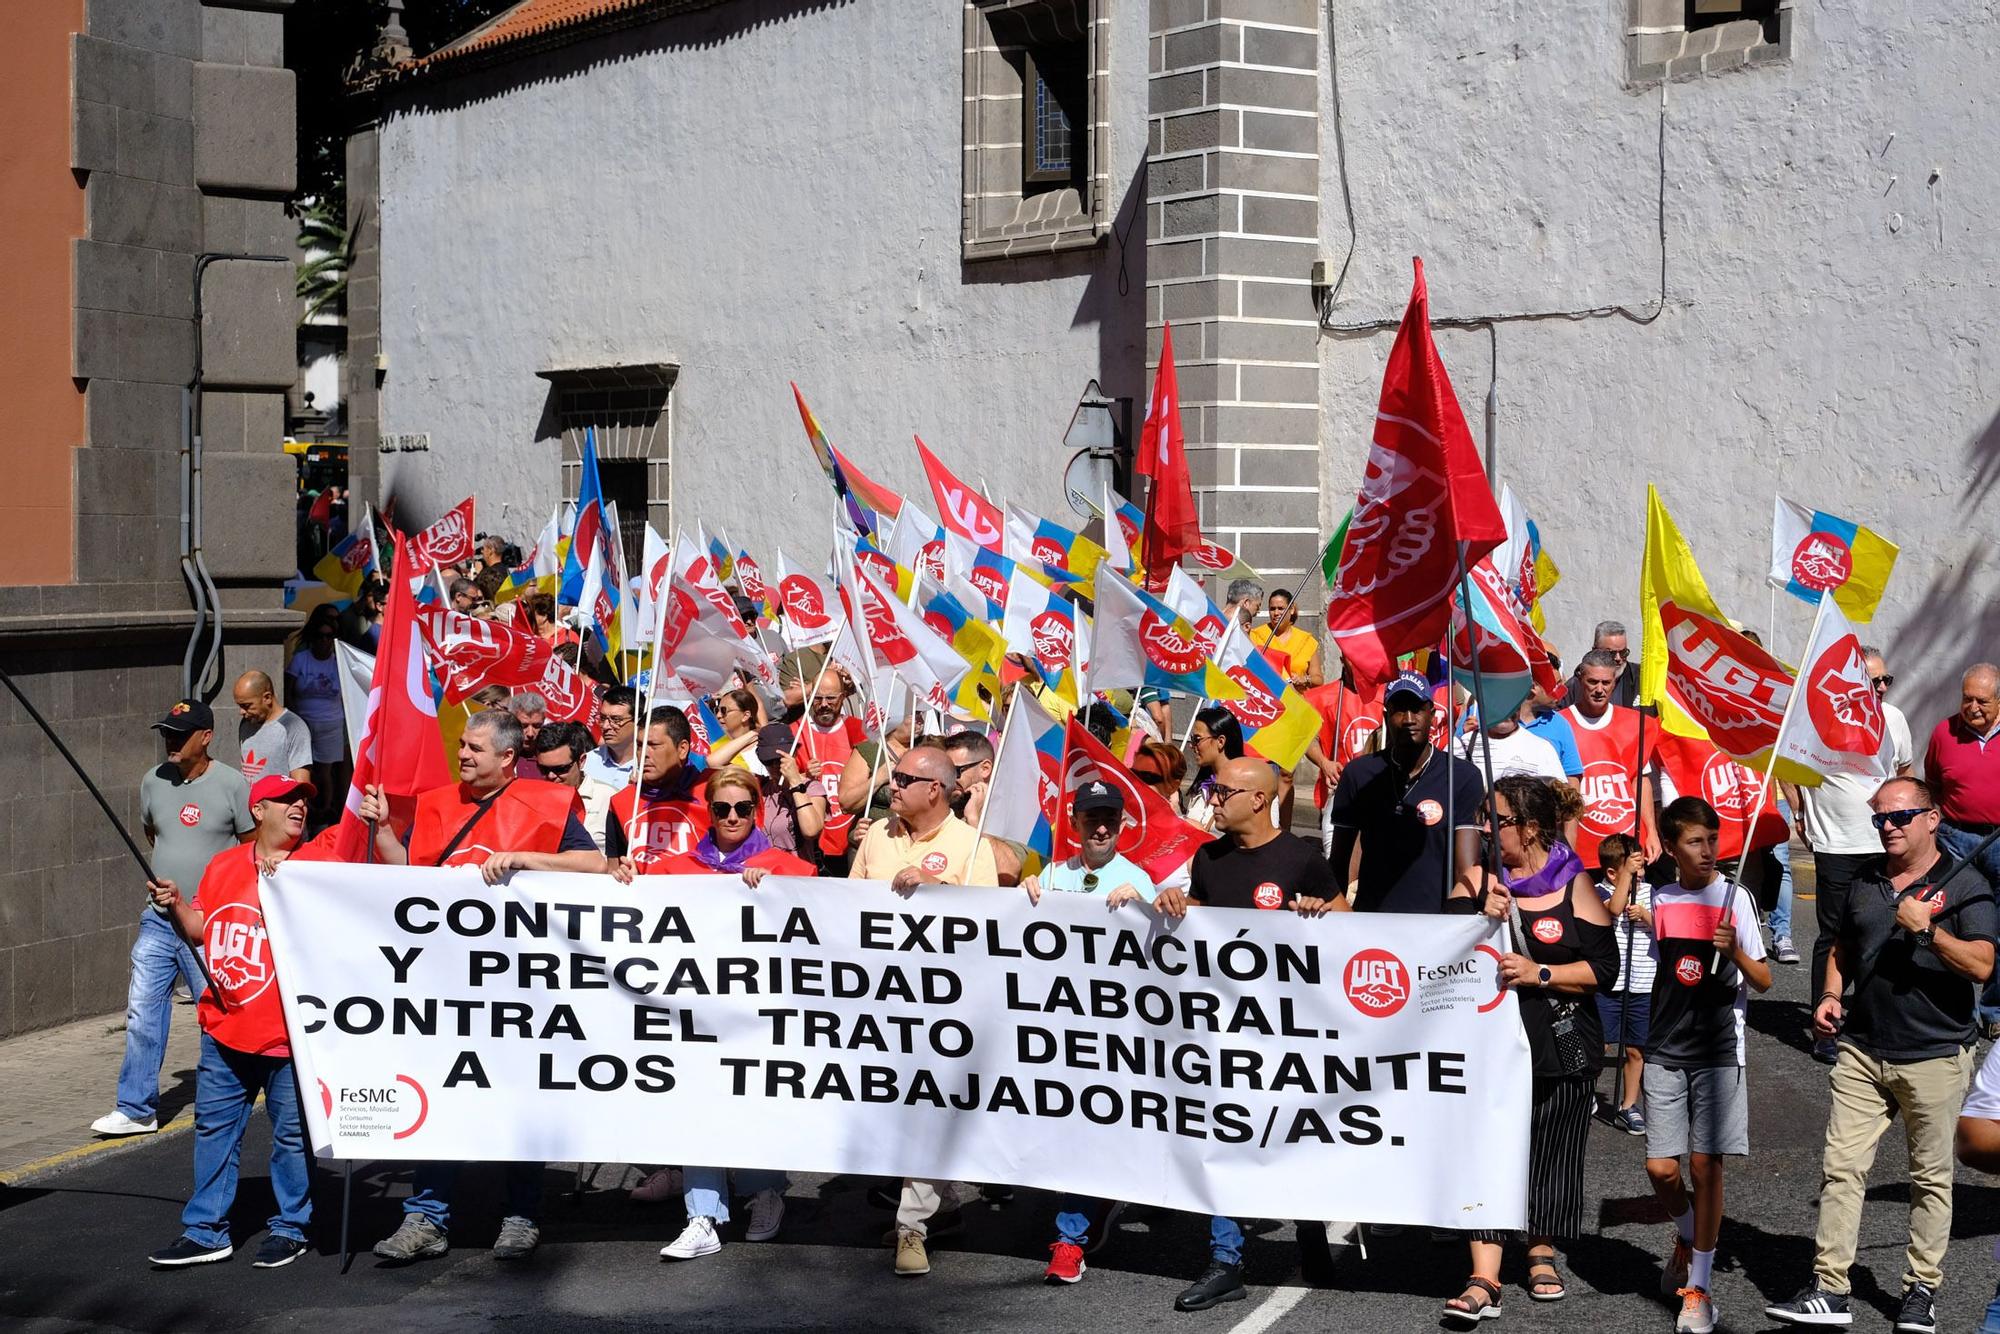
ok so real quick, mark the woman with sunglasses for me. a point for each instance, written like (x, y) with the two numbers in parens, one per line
(1216, 736)
(740, 713)
(734, 845)
(1571, 953)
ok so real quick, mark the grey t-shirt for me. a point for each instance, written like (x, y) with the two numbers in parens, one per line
(192, 821)
(281, 744)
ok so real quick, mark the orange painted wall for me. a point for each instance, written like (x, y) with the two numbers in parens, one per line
(41, 213)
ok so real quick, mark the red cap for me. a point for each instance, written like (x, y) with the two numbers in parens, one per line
(279, 787)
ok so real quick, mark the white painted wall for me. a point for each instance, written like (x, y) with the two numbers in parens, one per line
(759, 205)
(1831, 324)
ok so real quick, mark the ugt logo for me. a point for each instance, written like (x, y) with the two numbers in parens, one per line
(1377, 983)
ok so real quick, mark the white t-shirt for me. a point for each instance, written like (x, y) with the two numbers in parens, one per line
(1836, 812)
(1521, 752)
(1983, 1102)
(1644, 952)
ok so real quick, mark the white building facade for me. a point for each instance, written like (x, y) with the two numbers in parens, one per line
(1733, 253)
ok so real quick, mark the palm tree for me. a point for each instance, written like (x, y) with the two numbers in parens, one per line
(322, 280)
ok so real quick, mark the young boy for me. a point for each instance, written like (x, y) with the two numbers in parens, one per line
(1710, 952)
(1624, 1011)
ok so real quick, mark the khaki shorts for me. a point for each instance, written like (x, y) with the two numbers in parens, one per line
(1696, 1111)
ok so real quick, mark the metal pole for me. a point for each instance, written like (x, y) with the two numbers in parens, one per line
(1492, 842)
(346, 1209)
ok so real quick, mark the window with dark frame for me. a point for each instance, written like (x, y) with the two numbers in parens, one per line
(1713, 13)
(623, 410)
(1055, 100)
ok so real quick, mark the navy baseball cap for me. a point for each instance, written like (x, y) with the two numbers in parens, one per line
(1409, 683)
(1098, 795)
(187, 716)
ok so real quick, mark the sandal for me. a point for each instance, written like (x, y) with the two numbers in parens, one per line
(1548, 1289)
(1467, 1311)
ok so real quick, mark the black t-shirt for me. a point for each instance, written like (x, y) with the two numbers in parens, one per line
(1225, 875)
(1405, 844)
(1907, 1006)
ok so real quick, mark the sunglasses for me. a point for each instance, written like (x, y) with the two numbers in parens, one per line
(901, 779)
(970, 764)
(722, 810)
(555, 770)
(1882, 682)
(1090, 882)
(1900, 819)
(1220, 794)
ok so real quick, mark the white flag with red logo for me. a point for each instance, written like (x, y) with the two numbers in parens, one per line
(446, 542)
(399, 749)
(470, 654)
(1155, 838)
(1836, 726)
(901, 643)
(808, 610)
(1138, 641)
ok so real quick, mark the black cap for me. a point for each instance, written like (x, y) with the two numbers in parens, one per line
(189, 715)
(774, 742)
(1098, 795)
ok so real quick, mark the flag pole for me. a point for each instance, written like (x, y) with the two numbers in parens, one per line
(999, 753)
(1492, 843)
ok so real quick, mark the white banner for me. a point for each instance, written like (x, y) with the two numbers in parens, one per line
(1234, 1062)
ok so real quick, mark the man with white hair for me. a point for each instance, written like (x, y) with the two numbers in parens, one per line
(531, 711)
(1964, 771)
(1610, 637)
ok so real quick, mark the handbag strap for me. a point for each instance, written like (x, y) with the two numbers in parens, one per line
(466, 828)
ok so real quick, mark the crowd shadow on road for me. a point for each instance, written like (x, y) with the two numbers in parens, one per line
(1783, 1021)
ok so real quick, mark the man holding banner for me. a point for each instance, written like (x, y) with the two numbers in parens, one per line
(500, 823)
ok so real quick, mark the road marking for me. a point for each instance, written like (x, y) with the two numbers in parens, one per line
(1270, 1311)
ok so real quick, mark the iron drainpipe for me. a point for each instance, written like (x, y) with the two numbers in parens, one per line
(194, 568)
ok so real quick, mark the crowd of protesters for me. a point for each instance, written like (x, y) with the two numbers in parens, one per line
(1637, 944)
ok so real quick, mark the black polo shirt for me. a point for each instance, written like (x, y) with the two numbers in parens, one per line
(1907, 1006)
(1226, 875)
(1405, 838)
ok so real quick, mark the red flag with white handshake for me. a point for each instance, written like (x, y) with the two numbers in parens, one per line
(1836, 726)
(471, 654)
(1154, 837)
(1173, 526)
(1424, 493)
(963, 509)
(399, 749)
(446, 542)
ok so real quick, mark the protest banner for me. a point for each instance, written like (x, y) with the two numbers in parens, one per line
(1253, 1065)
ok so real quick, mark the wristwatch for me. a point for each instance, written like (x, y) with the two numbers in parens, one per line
(1546, 977)
(1926, 937)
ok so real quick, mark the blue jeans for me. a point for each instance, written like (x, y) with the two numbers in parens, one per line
(227, 1083)
(708, 1188)
(158, 956)
(1781, 911)
(1960, 843)
(1992, 1322)
(1225, 1239)
(433, 1182)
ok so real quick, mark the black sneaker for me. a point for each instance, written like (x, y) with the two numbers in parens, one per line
(1917, 1317)
(1218, 1283)
(1813, 1306)
(277, 1252)
(186, 1251)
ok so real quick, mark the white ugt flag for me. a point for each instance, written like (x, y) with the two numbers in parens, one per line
(1837, 725)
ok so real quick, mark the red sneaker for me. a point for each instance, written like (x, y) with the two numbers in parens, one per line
(1065, 1263)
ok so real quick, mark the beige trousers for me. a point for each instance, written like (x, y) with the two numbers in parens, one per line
(1867, 1095)
(922, 1200)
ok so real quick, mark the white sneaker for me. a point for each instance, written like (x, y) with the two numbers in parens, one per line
(661, 1185)
(697, 1240)
(767, 1215)
(117, 1123)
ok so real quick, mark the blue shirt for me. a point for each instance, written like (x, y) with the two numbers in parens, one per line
(1554, 729)
(1067, 877)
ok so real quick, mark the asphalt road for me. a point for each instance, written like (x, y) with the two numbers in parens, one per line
(73, 1248)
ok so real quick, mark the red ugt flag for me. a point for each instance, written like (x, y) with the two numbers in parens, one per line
(399, 748)
(963, 509)
(1423, 493)
(446, 542)
(1155, 838)
(471, 654)
(1173, 527)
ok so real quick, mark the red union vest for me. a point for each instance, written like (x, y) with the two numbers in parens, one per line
(1611, 761)
(528, 816)
(1359, 717)
(822, 755)
(1698, 769)
(665, 826)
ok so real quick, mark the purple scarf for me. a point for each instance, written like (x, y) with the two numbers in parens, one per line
(733, 862)
(1556, 873)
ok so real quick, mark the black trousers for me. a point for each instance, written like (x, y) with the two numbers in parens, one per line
(1833, 875)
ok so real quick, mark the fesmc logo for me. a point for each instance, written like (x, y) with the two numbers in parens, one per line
(1839, 701)
(392, 1104)
(1053, 637)
(1820, 562)
(1377, 983)
(1166, 648)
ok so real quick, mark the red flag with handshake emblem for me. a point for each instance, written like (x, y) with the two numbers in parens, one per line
(398, 750)
(1173, 527)
(446, 542)
(470, 654)
(1154, 838)
(1423, 493)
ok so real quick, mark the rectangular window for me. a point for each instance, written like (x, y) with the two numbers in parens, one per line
(623, 411)
(1053, 78)
(1713, 13)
